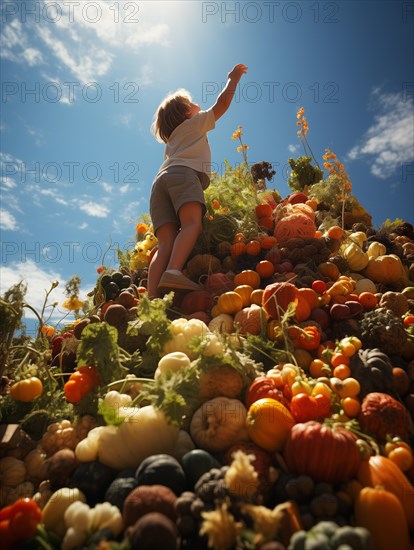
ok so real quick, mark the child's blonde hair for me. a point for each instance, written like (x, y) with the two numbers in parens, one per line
(171, 113)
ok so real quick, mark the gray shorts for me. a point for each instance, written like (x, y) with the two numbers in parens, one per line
(173, 187)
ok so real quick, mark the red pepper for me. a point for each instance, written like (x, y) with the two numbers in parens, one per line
(19, 521)
(80, 383)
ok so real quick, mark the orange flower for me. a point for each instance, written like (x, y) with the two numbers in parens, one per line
(48, 331)
(237, 134)
(141, 228)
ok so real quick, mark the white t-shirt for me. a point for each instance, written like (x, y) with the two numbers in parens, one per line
(188, 144)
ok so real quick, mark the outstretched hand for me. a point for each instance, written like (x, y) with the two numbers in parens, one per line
(237, 72)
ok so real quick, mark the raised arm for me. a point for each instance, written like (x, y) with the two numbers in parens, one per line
(226, 96)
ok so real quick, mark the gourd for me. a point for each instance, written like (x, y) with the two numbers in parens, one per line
(321, 452)
(173, 361)
(248, 277)
(197, 462)
(358, 237)
(182, 331)
(365, 285)
(249, 319)
(145, 431)
(357, 259)
(197, 300)
(12, 472)
(382, 513)
(230, 302)
(218, 424)
(277, 297)
(396, 302)
(201, 264)
(222, 323)
(217, 283)
(93, 479)
(161, 469)
(376, 249)
(382, 415)
(54, 510)
(386, 269)
(294, 225)
(119, 489)
(380, 470)
(269, 423)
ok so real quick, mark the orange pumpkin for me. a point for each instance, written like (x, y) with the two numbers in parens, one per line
(310, 295)
(269, 423)
(380, 470)
(294, 225)
(256, 296)
(302, 208)
(267, 241)
(382, 513)
(248, 277)
(267, 223)
(265, 269)
(328, 269)
(386, 269)
(302, 308)
(230, 302)
(237, 249)
(245, 291)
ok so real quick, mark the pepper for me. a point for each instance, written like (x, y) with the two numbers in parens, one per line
(18, 522)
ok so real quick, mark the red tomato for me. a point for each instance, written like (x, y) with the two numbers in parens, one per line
(304, 407)
(408, 321)
(261, 387)
(323, 404)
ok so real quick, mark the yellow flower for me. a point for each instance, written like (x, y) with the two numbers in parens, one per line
(239, 148)
(72, 303)
(236, 134)
(301, 112)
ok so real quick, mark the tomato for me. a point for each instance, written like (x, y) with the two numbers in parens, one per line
(402, 457)
(27, 390)
(269, 423)
(80, 383)
(303, 407)
(319, 286)
(408, 321)
(323, 405)
(261, 387)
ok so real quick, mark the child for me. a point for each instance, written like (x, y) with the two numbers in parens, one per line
(177, 205)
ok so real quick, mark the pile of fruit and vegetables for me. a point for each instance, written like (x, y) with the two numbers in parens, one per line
(271, 409)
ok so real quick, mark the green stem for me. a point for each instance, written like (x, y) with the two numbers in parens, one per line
(127, 380)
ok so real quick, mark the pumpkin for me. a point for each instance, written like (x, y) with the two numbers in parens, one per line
(357, 259)
(245, 291)
(376, 249)
(12, 472)
(302, 208)
(249, 319)
(93, 480)
(380, 470)
(263, 210)
(358, 237)
(267, 242)
(329, 269)
(256, 296)
(365, 285)
(269, 423)
(247, 277)
(382, 513)
(297, 197)
(294, 225)
(218, 424)
(277, 297)
(261, 387)
(230, 302)
(223, 322)
(322, 452)
(119, 489)
(201, 264)
(382, 415)
(302, 308)
(217, 283)
(386, 269)
(197, 300)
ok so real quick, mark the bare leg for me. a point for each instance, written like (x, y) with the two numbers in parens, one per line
(190, 215)
(166, 236)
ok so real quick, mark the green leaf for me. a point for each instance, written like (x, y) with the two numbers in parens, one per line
(98, 347)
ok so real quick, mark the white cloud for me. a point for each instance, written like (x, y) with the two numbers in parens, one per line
(7, 221)
(15, 47)
(124, 188)
(389, 141)
(124, 120)
(32, 56)
(8, 182)
(94, 209)
(38, 281)
(37, 134)
(293, 148)
(83, 225)
(107, 187)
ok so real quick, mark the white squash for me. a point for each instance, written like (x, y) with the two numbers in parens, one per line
(218, 424)
(182, 331)
(54, 510)
(173, 361)
(144, 432)
(222, 323)
(365, 285)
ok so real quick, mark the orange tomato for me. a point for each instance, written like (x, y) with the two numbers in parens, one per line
(265, 269)
(368, 300)
(253, 248)
(27, 390)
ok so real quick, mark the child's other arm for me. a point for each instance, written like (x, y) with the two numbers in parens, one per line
(226, 96)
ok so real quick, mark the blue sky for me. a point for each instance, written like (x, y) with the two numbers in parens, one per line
(77, 155)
